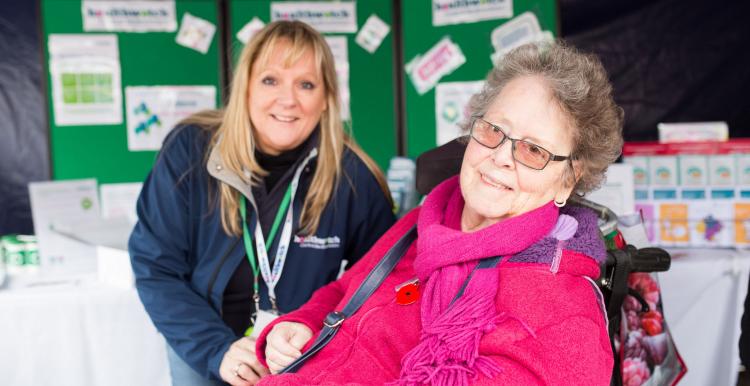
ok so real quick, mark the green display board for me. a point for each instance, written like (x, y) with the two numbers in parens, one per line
(146, 59)
(371, 76)
(474, 40)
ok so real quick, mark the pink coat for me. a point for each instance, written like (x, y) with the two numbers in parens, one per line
(558, 335)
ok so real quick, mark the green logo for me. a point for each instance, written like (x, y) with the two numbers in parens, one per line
(450, 112)
(86, 203)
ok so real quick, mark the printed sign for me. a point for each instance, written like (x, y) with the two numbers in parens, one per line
(152, 111)
(195, 33)
(57, 207)
(372, 33)
(323, 16)
(340, 51)
(451, 108)
(246, 33)
(442, 59)
(445, 12)
(129, 16)
(85, 72)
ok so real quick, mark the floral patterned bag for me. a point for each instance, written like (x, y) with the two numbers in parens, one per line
(648, 355)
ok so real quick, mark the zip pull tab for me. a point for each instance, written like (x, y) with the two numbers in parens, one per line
(408, 292)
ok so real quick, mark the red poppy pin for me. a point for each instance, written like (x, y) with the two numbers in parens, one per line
(407, 292)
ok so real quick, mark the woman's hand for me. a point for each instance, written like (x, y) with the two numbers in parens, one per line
(240, 366)
(283, 344)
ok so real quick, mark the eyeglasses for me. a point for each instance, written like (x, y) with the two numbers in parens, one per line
(524, 152)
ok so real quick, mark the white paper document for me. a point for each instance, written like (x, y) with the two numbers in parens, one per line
(85, 76)
(324, 16)
(518, 31)
(445, 12)
(129, 16)
(617, 192)
(372, 33)
(119, 200)
(427, 69)
(195, 33)
(152, 111)
(340, 51)
(248, 30)
(57, 207)
(451, 102)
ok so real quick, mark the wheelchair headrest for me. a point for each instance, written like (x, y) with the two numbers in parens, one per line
(437, 165)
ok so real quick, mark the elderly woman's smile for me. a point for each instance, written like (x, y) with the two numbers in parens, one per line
(494, 183)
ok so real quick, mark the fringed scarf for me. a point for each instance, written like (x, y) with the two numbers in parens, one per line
(448, 350)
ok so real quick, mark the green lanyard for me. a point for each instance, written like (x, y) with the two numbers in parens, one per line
(249, 244)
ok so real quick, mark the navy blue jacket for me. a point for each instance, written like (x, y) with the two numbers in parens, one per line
(182, 259)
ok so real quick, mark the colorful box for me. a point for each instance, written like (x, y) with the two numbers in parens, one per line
(663, 170)
(721, 170)
(693, 170)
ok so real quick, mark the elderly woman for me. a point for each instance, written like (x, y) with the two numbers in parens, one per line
(545, 125)
(252, 208)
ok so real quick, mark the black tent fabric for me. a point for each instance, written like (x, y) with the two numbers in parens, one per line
(669, 60)
(24, 151)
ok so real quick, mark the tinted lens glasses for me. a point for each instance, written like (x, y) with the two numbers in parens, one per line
(524, 152)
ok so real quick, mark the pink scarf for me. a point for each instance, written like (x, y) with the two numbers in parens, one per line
(448, 351)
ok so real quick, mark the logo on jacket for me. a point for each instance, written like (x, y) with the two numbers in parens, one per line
(317, 242)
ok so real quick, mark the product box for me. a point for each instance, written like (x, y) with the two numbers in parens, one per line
(663, 170)
(673, 223)
(640, 170)
(742, 161)
(646, 209)
(742, 223)
(711, 223)
(693, 170)
(721, 170)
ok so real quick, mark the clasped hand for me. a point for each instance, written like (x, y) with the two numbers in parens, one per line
(284, 344)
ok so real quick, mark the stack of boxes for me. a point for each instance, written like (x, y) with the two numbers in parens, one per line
(693, 194)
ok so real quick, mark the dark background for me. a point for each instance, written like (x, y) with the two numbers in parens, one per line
(668, 60)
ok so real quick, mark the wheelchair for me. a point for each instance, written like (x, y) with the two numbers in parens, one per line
(436, 165)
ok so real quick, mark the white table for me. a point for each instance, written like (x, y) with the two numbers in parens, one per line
(703, 294)
(78, 335)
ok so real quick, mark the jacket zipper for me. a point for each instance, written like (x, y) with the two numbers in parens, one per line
(216, 272)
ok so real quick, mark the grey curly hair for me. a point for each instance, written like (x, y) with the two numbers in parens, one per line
(581, 88)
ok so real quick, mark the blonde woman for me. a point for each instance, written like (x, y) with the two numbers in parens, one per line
(250, 209)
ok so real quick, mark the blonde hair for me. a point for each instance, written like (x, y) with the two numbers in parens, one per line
(232, 124)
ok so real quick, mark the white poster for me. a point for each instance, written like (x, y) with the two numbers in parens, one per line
(451, 108)
(340, 52)
(129, 16)
(152, 111)
(195, 33)
(56, 208)
(119, 200)
(85, 72)
(372, 33)
(520, 30)
(324, 16)
(442, 59)
(445, 12)
(246, 32)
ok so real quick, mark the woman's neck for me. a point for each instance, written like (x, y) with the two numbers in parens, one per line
(471, 221)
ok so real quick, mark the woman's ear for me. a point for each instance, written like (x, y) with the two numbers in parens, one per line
(570, 177)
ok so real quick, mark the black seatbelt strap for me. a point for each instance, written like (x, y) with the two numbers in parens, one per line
(373, 280)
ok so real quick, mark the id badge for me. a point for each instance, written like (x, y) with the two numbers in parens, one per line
(262, 319)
